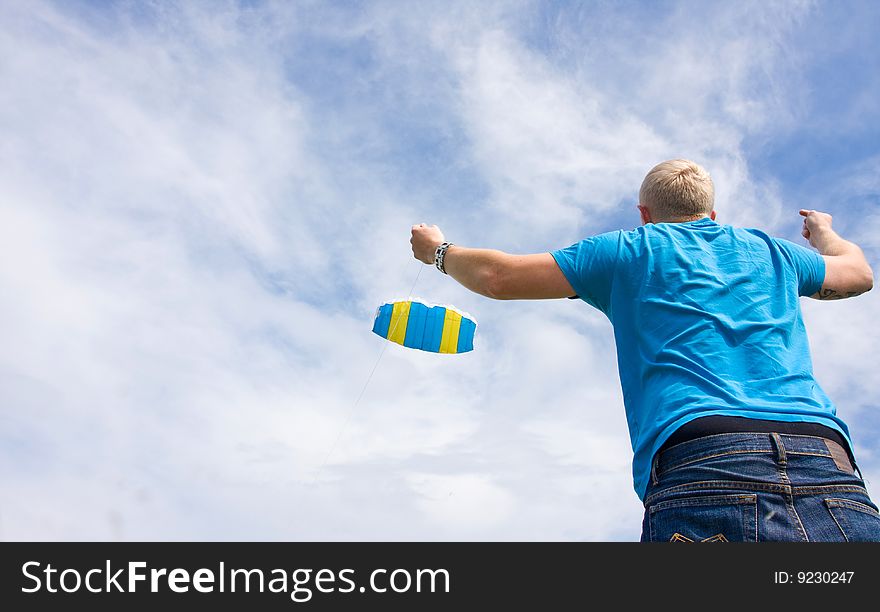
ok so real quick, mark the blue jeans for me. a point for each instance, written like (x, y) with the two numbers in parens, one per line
(756, 487)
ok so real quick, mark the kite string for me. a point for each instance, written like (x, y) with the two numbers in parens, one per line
(366, 384)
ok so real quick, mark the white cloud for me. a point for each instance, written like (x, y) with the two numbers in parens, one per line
(462, 503)
(548, 145)
(201, 207)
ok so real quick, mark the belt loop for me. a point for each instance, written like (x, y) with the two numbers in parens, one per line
(855, 467)
(780, 448)
(654, 461)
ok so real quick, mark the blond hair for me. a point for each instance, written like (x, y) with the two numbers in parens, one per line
(677, 190)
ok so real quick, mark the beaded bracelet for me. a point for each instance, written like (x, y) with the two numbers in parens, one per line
(440, 255)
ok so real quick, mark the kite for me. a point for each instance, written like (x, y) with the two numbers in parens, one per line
(427, 327)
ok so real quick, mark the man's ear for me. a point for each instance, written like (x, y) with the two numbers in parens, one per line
(712, 215)
(645, 214)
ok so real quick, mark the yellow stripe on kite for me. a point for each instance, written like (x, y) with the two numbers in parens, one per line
(399, 319)
(451, 326)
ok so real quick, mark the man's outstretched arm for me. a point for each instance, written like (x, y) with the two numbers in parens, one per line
(492, 273)
(847, 272)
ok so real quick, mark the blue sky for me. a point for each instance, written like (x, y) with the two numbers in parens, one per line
(203, 204)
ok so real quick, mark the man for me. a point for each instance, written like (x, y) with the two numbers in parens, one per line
(733, 438)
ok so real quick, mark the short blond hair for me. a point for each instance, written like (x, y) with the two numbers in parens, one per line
(678, 189)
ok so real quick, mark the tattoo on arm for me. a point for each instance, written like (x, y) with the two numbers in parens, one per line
(831, 294)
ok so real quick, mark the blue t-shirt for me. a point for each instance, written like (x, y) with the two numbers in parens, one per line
(707, 322)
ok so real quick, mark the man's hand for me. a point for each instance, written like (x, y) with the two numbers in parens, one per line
(425, 240)
(847, 272)
(816, 226)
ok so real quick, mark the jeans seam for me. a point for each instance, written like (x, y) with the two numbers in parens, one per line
(789, 501)
(781, 463)
(736, 499)
(852, 505)
(810, 454)
(768, 487)
(825, 489)
(756, 451)
(756, 518)
(836, 522)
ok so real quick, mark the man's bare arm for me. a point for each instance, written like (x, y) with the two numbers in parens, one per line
(492, 273)
(847, 272)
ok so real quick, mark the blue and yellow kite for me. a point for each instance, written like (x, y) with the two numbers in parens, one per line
(427, 327)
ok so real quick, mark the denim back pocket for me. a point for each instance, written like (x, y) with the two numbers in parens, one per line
(857, 521)
(705, 518)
